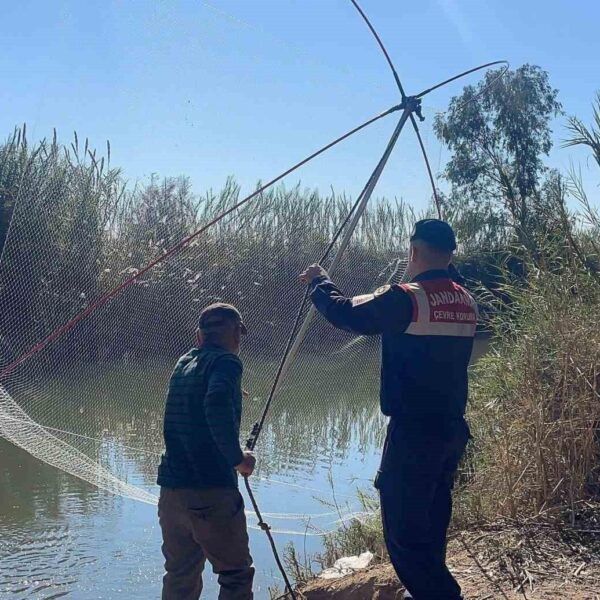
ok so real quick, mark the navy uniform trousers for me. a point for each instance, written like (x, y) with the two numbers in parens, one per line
(415, 483)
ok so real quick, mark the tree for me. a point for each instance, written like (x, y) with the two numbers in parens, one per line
(498, 132)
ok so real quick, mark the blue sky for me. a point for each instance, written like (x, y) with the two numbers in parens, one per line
(248, 87)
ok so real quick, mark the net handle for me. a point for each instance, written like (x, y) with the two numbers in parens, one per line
(297, 335)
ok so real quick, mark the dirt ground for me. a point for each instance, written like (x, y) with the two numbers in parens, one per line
(380, 583)
(495, 565)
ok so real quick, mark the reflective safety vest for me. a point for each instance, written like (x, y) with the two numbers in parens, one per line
(424, 366)
(441, 307)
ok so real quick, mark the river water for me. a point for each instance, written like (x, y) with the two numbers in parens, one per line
(60, 536)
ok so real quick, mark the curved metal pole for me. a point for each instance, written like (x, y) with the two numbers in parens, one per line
(413, 121)
(401, 89)
(297, 335)
(465, 73)
(381, 45)
(436, 198)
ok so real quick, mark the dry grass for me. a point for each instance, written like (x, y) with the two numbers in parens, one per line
(535, 403)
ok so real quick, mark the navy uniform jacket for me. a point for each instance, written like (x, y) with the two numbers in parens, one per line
(427, 328)
(202, 421)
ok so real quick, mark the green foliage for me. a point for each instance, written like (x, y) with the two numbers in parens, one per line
(13, 157)
(535, 406)
(582, 135)
(498, 132)
(351, 539)
(357, 536)
(78, 231)
(61, 201)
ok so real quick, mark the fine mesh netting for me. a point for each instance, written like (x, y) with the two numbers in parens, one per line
(90, 401)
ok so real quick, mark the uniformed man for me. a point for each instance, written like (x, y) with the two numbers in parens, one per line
(427, 328)
(201, 511)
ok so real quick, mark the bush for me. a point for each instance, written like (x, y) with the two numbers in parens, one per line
(535, 401)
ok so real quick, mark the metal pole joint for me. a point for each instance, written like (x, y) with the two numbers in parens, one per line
(412, 104)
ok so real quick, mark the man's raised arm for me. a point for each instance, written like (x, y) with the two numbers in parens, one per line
(387, 309)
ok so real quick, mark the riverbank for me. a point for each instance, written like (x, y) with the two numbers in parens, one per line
(505, 561)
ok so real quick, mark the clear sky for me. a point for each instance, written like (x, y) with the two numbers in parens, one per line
(248, 87)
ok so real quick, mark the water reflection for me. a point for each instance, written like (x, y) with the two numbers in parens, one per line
(321, 411)
(60, 536)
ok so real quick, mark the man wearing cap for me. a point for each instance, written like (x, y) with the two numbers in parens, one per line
(427, 328)
(201, 511)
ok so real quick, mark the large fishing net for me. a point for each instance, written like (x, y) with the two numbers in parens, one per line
(88, 396)
(101, 287)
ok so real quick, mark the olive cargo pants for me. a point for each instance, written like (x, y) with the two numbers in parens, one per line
(415, 488)
(199, 525)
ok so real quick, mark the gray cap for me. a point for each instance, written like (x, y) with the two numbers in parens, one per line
(214, 317)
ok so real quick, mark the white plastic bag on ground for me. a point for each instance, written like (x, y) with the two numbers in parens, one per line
(347, 565)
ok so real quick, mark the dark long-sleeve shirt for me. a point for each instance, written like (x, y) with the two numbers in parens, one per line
(427, 330)
(202, 420)
(387, 309)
